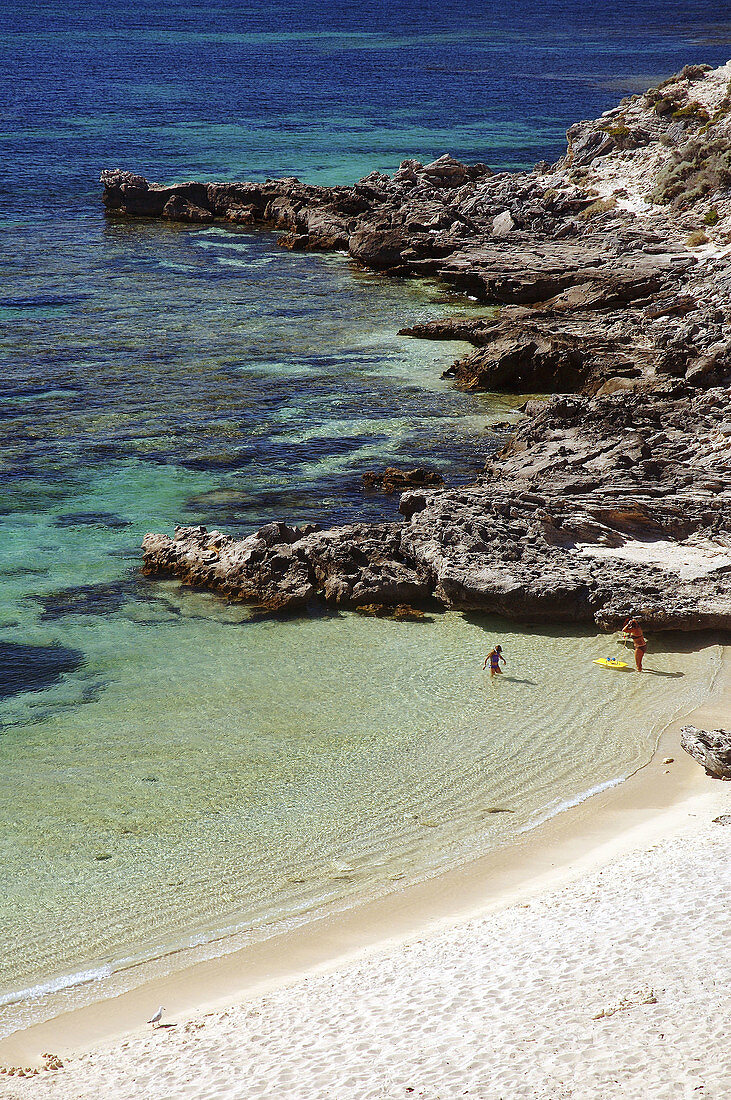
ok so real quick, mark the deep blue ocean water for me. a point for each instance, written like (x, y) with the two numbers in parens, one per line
(151, 374)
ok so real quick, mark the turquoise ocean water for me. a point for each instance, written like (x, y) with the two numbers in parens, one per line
(169, 769)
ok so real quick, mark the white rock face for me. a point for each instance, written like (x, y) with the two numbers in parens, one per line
(502, 224)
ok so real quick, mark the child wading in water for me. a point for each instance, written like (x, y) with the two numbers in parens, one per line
(495, 656)
(633, 630)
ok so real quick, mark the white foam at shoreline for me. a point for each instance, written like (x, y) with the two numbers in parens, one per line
(569, 803)
(56, 985)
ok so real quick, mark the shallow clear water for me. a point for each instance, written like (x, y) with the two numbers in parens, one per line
(235, 774)
(168, 768)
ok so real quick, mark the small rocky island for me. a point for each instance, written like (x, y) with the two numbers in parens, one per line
(612, 271)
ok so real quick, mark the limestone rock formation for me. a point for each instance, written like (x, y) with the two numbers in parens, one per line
(284, 568)
(607, 278)
(601, 508)
(393, 480)
(711, 748)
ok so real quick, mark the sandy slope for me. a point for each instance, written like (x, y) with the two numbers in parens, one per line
(615, 986)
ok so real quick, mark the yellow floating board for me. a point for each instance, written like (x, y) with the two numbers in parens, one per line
(610, 662)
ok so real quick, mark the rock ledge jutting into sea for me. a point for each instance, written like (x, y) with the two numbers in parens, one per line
(612, 269)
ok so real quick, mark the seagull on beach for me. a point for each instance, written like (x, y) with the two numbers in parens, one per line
(157, 1017)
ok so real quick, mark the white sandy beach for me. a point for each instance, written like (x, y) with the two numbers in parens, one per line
(616, 986)
(611, 981)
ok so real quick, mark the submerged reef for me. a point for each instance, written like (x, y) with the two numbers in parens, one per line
(612, 271)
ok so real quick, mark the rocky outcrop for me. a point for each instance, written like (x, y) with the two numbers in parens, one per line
(393, 480)
(712, 749)
(594, 511)
(262, 569)
(554, 352)
(597, 509)
(610, 278)
(284, 568)
(598, 247)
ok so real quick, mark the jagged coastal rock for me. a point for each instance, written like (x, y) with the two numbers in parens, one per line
(393, 480)
(711, 748)
(610, 272)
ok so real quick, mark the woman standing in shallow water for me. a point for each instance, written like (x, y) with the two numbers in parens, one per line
(495, 656)
(633, 630)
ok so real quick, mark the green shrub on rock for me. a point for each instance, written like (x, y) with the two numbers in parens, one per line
(622, 135)
(667, 105)
(690, 73)
(601, 206)
(692, 110)
(700, 167)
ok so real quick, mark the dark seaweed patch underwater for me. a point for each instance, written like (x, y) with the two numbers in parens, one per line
(34, 667)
